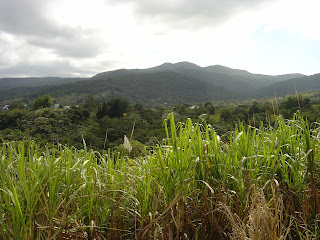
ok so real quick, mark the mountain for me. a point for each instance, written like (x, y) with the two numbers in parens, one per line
(226, 70)
(174, 66)
(165, 67)
(172, 83)
(7, 83)
(306, 83)
(285, 77)
(240, 82)
(111, 74)
(147, 88)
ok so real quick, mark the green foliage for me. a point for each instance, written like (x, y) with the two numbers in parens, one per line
(117, 107)
(15, 105)
(200, 110)
(226, 115)
(181, 109)
(240, 113)
(291, 102)
(295, 102)
(103, 110)
(255, 108)
(44, 101)
(210, 108)
(90, 103)
(77, 115)
(258, 184)
(70, 126)
(9, 135)
(150, 116)
(138, 107)
(14, 118)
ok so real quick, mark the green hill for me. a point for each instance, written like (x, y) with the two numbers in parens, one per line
(306, 83)
(168, 83)
(8, 83)
(147, 88)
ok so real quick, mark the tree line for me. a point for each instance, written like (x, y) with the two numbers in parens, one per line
(103, 125)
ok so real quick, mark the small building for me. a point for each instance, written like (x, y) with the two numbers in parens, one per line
(204, 115)
(6, 107)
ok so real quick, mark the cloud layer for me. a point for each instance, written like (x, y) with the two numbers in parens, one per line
(35, 44)
(191, 12)
(82, 37)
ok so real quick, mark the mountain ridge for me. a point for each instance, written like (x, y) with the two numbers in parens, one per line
(181, 82)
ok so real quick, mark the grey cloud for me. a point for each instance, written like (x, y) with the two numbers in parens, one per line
(26, 19)
(74, 47)
(44, 69)
(3, 62)
(191, 12)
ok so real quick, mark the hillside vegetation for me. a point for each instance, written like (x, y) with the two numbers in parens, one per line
(9, 83)
(169, 83)
(104, 124)
(292, 85)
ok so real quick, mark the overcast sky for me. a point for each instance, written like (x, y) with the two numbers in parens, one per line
(84, 37)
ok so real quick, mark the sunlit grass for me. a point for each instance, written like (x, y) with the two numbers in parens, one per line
(257, 183)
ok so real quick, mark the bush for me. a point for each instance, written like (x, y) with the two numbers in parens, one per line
(42, 102)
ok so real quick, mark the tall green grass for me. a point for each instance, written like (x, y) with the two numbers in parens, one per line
(255, 183)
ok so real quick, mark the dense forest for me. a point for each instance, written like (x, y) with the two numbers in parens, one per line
(104, 124)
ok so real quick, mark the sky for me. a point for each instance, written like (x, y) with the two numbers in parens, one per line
(80, 38)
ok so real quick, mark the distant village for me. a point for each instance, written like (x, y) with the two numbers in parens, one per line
(6, 107)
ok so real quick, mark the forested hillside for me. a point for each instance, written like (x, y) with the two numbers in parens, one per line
(291, 86)
(168, 83)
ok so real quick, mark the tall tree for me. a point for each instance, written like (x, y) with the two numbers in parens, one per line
(44, 101)
(102, 110)
(90, 103)
(117, 107)
(211, 110)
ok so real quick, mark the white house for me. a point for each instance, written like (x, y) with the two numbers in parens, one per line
(5, 107)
